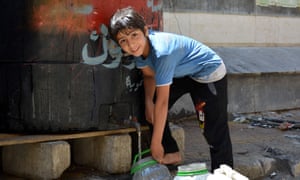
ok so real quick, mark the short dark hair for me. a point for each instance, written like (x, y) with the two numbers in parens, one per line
(126, 18)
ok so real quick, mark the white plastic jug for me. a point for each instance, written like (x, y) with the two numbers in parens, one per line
(193, 171)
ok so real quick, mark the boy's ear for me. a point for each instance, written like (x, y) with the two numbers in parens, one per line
(146, 31)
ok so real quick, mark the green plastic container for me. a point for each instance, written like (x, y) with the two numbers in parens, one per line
(194, 171)
(148, 168)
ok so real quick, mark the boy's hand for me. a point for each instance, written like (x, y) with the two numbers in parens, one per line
(157, 151)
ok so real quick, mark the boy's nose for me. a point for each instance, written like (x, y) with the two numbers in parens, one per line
(131, 43)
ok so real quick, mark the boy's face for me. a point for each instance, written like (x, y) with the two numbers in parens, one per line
(134, 42)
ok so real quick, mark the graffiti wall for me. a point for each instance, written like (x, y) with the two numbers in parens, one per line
(59, 69)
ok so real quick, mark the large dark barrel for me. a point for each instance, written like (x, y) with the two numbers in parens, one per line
(61, 72)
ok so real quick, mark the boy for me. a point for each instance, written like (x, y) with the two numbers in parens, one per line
(173, 65)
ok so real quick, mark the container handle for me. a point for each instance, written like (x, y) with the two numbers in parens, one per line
(140, 155)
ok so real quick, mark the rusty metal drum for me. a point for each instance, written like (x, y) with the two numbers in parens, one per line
(61, 72)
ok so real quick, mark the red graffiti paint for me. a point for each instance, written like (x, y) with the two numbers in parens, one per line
(75, 16)
(102, 11)
(52, 16)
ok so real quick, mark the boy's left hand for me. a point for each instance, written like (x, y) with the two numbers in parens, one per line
(157, 151)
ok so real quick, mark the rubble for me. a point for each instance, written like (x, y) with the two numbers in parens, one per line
(269, 120)
(284, 146)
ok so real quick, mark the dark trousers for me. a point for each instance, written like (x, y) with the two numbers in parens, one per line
(216, 130)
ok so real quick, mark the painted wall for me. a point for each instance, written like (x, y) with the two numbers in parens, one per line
(58, 30)
(59, 69)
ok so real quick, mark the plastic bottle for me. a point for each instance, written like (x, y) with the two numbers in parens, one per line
(194, 171)
(149, 169)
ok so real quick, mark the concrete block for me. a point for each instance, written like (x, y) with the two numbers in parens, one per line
(255, 166)
(178, 134)
(111, 154)
(265, 92)
(37, 161)
(295, 167)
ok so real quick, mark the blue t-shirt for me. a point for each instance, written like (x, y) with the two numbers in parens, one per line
(173, 56)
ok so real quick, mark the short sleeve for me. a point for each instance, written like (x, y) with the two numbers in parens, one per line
(165, 67)
(141, 63)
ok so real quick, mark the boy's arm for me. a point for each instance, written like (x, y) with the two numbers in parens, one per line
(156, 114)
(159, 122)
(149, 86)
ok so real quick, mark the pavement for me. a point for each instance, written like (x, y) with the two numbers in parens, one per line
(261, 151)
(256, 60)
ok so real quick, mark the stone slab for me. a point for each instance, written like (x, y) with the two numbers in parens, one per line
(111, 154)
(37, 161)
(260, 60)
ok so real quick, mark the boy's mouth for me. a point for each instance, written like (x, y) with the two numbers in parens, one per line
(134, 51)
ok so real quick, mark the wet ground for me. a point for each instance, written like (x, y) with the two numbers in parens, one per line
(251, 135)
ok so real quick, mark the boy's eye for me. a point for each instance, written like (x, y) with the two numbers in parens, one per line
(135, 34)
(122, 41)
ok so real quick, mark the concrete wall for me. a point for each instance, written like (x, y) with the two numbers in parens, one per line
(263, 92)
(248, 7)
(233, 22)
(235, 30)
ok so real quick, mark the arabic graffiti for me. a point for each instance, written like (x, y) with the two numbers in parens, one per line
(109, 47)
(133, 86)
